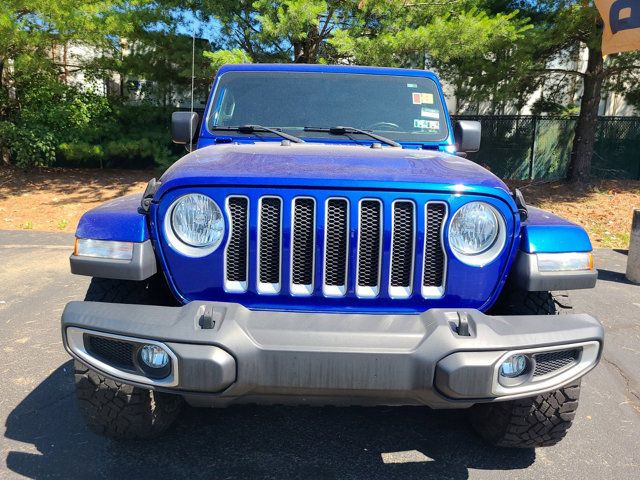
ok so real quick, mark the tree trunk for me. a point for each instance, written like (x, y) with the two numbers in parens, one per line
(584, 140)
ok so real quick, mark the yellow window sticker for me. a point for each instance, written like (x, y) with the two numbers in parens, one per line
(422, 98)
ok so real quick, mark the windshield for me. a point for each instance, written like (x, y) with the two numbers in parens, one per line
(402, 108)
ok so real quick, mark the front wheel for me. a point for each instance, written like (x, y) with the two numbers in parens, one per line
(112, 408)
(529, 422)
(118, 410)
(541, 421)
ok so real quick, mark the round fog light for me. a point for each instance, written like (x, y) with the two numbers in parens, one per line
(514, 366)
(154, 356)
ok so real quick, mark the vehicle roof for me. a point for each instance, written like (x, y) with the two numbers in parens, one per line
(304, 67)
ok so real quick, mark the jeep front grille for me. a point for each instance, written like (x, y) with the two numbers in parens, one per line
(269, 245)
(236, 265)
(403, 239)
(369, 248)
(303, 243)
(362, 268)
(336, 246)
(435, 261)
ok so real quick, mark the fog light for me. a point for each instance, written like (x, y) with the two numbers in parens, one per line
(154, 356)
(514, 366)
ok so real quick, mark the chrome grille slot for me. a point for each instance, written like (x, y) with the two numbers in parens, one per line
(336, 246)
(269, 245)
(435, 262)
(402, 249)
(369, 248)
(303, 241)
(236, 265)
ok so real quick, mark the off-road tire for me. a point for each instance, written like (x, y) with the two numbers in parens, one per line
(153, 291)
(520, 302)
(116, 409)
(541, 421)
(529, 422)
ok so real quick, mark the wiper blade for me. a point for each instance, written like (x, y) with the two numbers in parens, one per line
(260, 128)
(348, 130)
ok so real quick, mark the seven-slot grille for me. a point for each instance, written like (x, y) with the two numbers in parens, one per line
(338, 226)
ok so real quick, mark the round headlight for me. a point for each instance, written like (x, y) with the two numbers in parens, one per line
(477, 230)
(197, 221)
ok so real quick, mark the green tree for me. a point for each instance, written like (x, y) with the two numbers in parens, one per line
(39, 109)
(470, 48)
(278, 31)
(561, 29)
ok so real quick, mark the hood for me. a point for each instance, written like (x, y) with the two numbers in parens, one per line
(331, 166)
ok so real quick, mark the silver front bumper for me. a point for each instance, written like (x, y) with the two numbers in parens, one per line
(265, 357)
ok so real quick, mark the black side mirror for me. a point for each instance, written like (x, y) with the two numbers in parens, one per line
(467, 134)
(184, 127)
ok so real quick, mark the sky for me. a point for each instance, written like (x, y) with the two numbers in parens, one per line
(189, 22)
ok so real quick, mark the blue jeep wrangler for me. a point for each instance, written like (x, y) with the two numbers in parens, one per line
(326, 242)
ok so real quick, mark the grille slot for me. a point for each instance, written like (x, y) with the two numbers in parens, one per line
(113, 352)
(369, 249)
(236, 265)
(336, 246)
(402, 249)
(434, 267)
(303, 241)
(553, 361)
(269, 245)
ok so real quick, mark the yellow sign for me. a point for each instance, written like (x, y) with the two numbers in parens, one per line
(621, 25)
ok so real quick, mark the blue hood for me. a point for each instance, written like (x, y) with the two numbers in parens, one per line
(331, 166)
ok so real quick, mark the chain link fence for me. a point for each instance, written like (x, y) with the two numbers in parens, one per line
(539, 148)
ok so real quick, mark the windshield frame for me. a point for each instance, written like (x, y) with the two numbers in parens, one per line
(209, 131)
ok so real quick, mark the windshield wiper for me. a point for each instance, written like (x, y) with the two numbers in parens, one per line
(350, 130)
(259, 128)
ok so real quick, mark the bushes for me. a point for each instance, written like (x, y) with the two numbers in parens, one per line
(61, 125)
(25, 147)
(135, 137)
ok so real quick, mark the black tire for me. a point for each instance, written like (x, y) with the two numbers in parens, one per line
(530, 422)
(122, 411)
(116, 409)
(520, 302)
(153, 291)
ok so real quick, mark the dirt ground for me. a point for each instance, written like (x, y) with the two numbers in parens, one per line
(605, 210)
(53, 199)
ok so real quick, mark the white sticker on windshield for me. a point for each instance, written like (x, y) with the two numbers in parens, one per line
(412, 85)
(427, 112)
(429, 125)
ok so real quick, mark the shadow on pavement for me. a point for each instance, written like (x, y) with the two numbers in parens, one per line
(611, 276)
(250, 442)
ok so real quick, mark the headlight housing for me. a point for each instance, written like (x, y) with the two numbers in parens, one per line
(194, 225)
(477, 233)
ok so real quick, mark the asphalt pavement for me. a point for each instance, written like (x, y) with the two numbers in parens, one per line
(45, 437)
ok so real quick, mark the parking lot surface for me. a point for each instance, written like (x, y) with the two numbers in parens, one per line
(44, 435)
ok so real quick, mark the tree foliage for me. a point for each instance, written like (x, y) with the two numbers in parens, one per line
(495, 52)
